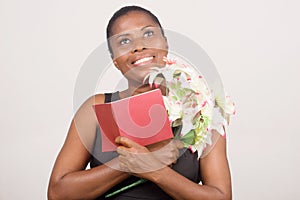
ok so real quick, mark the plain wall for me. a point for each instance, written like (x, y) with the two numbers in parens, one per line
(255, 46)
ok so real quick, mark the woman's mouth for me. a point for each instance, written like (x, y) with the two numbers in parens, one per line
(143, 61)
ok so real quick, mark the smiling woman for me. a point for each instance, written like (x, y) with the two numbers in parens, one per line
(137, 43)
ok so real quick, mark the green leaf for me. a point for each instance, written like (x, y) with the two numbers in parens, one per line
(189, 138)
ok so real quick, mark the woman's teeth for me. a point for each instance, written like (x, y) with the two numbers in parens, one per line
(143, 60)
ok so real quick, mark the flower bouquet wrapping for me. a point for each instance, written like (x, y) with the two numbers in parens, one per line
(192, 108)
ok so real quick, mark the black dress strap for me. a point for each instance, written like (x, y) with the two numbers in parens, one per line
(110, 97)
(107, 97)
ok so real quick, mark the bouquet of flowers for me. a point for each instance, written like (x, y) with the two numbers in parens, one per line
(191, 105)
(192, 108)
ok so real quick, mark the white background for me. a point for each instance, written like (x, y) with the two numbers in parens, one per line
(254, 44)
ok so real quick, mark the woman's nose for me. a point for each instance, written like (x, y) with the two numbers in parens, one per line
(138, 49)
(138, 46)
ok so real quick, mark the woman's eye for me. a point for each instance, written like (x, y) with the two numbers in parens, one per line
(124, 41)
(148, 34)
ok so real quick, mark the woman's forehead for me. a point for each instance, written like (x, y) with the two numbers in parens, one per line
(132, 21)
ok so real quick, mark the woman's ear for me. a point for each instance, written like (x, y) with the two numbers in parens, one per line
(116, 64)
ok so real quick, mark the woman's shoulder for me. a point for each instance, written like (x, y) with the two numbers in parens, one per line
(94, 99)
(87, 105)
(99, 98)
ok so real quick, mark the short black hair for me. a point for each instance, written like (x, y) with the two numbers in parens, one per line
(123, 11)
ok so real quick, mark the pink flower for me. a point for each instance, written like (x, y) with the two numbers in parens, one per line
(169, 61)
(205, 102)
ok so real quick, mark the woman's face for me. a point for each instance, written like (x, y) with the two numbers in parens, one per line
(137, 45)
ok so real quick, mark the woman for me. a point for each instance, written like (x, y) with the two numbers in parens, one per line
(136, 41)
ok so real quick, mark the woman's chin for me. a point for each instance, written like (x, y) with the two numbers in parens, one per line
(138, 74)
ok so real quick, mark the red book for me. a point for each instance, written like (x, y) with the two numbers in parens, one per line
(142, 118)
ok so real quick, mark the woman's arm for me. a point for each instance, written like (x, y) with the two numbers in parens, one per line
(215, 176)
(69, 179)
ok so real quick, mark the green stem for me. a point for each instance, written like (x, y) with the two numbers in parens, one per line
(126, 187)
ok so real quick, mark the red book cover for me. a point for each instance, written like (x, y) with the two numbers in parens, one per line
(142, 118)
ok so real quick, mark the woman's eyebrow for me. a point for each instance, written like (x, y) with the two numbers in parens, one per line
(146, 27)
(122, 35)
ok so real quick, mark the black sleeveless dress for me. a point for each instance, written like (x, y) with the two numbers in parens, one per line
(187, 165)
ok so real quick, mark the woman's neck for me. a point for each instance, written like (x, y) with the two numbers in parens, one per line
(133, 90)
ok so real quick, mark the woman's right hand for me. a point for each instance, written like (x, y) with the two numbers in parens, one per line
(140, 160)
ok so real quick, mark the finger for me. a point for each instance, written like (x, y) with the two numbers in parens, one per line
(122, 150)
(117, 139)
(179, 144)
(126, 142)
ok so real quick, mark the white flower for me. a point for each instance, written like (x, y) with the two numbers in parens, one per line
(174, 110)
(217, 121)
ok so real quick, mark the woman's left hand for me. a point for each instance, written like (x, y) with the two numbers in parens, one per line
(139, 160)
